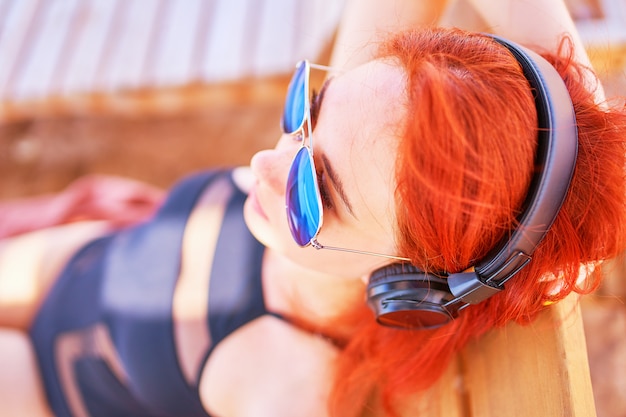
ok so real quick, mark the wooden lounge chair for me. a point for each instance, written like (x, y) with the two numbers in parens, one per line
(540, 370)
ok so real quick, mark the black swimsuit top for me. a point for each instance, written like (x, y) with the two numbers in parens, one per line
(123, 285)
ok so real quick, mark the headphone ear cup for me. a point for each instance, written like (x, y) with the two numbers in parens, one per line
(393, 272)
(403, 296)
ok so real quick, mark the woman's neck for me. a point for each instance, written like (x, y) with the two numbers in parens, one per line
(309, 297)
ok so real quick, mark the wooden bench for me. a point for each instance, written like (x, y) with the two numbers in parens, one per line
(540, 370)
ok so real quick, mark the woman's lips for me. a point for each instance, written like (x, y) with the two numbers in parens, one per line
(256, 204)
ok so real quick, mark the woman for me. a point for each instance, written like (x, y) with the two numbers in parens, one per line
(424, 154)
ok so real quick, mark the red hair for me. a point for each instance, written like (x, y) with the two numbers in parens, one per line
(465, 162)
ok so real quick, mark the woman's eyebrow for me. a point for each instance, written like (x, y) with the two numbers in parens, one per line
(325, 84)
(337, 184)
(318, 98)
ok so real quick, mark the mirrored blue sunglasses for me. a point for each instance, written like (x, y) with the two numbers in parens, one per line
(303, 199)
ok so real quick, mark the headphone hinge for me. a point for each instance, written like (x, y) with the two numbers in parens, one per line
(509, 269)
(472, 289)
(469, 288)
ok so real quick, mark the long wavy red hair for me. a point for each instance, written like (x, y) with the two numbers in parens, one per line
(465, 162)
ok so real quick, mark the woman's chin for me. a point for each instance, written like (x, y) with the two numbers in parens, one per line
(259, 225)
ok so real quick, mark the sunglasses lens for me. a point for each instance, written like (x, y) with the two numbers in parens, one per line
(303, 201)
(294, 111)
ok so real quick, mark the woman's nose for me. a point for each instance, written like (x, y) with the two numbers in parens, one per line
(271, 167)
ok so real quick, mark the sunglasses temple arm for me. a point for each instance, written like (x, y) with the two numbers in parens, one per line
(327, 68)
(317, 245)
(322, 67)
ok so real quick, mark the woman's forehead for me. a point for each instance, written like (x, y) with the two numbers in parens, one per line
(360, 118)
(376, 83)
(364, 110)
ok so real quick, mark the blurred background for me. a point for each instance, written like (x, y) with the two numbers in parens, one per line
(155, 89)
(145, 88)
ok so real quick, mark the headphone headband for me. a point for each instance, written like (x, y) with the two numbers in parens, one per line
(555, 160)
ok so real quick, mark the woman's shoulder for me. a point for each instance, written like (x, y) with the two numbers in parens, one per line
(289, 371)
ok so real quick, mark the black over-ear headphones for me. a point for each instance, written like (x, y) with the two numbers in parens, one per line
(403, 296)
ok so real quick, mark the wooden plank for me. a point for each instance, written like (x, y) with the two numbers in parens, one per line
(36, 75)
(533, 371)
(155, 36)
(17, 29)
(133, 32)
(313, 37)
(206, 15)
(276, 44)
(225, 40)
(172, 64)
(91, 35)
(444, 399)
(305, 29)
(252, 28)
(6, 6)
